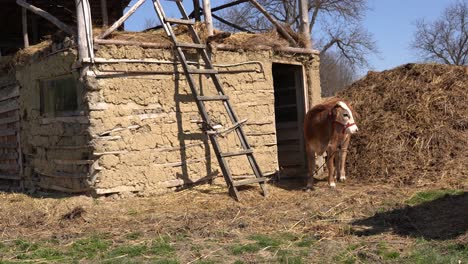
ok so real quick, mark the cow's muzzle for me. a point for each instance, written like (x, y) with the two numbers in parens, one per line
(350, 128)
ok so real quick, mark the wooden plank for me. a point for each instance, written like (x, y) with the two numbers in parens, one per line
(7, 132)
(179, 21)
(9, 120)
(47, 16)
(12, 166)
(8, 156)
(62, 174)
(6, 145)
(73, 162)
(9, 177)
(9, 107)
(121, 20)
(84, 25)
(9, 93)
(133, 43)
(249, 181)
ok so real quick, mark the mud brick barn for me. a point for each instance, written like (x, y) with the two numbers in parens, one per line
(86, 107)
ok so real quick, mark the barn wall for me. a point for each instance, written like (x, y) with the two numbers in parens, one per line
(144, 127)
(56, 149)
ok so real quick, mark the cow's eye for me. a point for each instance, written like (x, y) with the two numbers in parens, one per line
(346, 115)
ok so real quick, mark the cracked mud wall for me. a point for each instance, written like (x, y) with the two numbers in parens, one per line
(56, 150)
(143, 119)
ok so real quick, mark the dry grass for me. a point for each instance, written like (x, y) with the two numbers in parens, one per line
(413, 124)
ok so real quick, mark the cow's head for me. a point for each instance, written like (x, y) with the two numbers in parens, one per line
(344, 116)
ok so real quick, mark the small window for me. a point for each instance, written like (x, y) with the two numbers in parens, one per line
(59, 96)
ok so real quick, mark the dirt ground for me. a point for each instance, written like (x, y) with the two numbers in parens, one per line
(356, 223)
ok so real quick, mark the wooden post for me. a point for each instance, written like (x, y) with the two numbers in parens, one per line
(46, 15)
(208, 18)
(24, 19)
(304, 9)
(280, 28)
(82, 19)
(105, 17)
(196, 10)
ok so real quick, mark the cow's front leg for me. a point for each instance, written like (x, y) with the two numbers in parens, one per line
(331, 152)
(342, 160)
(311, 166)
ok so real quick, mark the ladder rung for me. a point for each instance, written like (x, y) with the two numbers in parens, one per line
(237, 153)
(179, 21)
(249, 181)
(190, 45)
(213, 98)
(202, 71)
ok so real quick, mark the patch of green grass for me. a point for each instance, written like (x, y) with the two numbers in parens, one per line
(289, 257)
(239, 262)
(247, 248)
(435, 253)
(23, 245)
(306, 242)
(132, 212)
(385, 252)
(166, 261)
(133, 235)
(88, 247)
(127, 250)
(48, 254)
(427, 196)
(162, 247)
(266, 241)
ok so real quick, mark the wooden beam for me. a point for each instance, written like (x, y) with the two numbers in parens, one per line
(105, 17)
(47, 16)
(208, 18)
(121, 20)
(196, 10)
(231, 24)
(280, 28)
(133, 43)
(304, 10)
(228, 5)
(84, 25)
(24, 20)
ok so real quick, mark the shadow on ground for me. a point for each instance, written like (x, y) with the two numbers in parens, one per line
(440, 219)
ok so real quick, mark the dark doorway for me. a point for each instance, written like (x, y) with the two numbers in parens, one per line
(289, 115)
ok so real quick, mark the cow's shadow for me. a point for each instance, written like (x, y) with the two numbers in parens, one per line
(440, 219)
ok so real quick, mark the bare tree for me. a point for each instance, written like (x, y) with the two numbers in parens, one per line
(446, 39)
(335, 25)
(335, 73)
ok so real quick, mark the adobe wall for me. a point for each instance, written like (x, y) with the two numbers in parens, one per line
(144, 125)
(56, 149)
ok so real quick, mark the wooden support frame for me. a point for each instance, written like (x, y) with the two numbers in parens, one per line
(280, 28)
(121, 20)
(208, 17)
(24, 22)
(46, 15)
(304, 27)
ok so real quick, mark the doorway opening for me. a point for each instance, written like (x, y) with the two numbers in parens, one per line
(290, 101)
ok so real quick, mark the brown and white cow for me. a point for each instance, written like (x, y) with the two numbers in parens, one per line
(328, 127)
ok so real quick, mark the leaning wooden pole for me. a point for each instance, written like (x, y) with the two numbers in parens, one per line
(208, 17)
(304, 10)
(46, 15)
(121, 20)
(24, 20)
(280, 27)
(85, 38)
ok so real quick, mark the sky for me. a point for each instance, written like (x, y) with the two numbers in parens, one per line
(390, 21)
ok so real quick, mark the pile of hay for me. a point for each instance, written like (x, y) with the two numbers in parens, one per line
(413, 124)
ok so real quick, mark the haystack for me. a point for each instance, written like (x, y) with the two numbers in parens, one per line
(413, 124)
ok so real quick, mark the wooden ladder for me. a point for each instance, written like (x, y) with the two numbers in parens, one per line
(200, 100)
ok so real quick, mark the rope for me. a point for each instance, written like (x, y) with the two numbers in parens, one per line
(329, 157)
